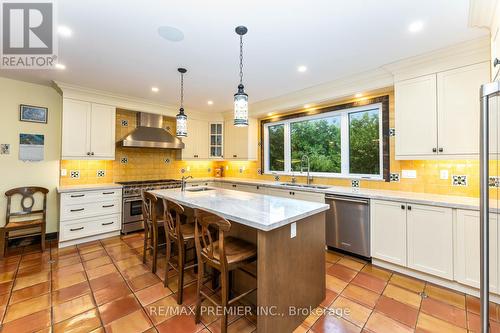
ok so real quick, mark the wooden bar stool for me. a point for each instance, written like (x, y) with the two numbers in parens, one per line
(181, 234)
(25, 219)
(224, 255)
(151, 224)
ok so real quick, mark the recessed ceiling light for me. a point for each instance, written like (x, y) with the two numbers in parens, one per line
(60, 66)
(358, 95)
(155, 89)
(64, 31)
(170, 33)
(302, 69)
(416, 26)
(210, 102)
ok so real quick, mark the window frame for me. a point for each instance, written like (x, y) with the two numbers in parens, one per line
(380, 103)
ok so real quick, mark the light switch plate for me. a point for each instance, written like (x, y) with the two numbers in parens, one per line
(443, 174)
(64, 172)
(293, 230)
(412, 174)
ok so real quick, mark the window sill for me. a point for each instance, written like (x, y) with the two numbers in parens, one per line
(322, 175)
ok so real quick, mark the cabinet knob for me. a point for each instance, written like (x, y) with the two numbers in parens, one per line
(441, 150)
(88, 153)
(409, 207)
(402, 206)
(434, 150)
(92, 153)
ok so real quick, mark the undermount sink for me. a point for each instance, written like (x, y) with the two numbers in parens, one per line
(199, 189)
(320, 187)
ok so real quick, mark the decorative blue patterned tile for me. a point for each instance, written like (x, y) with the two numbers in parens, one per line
(394, 177)
(276, 178)
(124, 160)
(494, 181)
(459, 180)
(124, 123)
(355, 183)
(167, 160)
(392, 132)
(100, 173)
(74, 174)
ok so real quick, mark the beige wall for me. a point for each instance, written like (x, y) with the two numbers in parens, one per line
(15, 173)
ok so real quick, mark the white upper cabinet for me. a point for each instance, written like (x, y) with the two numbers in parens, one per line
(437, 115)
(240, 143)
(196, 142)
(216, 139)
(88, 130)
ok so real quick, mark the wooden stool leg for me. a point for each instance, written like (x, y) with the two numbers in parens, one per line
(2, 242)
(155, 248)
(199, 283)
(167, 269)
(43, 236)
(224, 277)
(180, 267)
(145, 247)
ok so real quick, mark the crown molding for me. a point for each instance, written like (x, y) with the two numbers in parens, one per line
(124, 102)
(482, 13)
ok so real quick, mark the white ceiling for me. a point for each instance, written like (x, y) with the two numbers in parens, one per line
(115, 45)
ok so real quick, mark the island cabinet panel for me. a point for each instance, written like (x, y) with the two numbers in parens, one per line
(467, 258)
(430, 239)
(299, 195)
(388, 230)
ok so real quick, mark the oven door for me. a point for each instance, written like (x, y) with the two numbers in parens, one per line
(132, 210)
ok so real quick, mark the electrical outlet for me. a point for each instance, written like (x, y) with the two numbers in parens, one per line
(293, 230)
(188, 169)
(411, 174)
(443, 174)
(64, 172)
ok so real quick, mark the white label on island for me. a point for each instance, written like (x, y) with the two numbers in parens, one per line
(293, 230)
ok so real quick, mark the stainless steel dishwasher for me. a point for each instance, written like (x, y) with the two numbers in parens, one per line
(348, 224)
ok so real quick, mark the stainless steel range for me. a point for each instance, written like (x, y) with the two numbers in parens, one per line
(132, 202)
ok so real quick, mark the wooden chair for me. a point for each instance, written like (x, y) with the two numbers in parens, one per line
(224, 255)
(151, 227)
(181, 235)
(27, 218)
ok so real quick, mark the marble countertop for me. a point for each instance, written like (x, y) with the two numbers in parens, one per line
(263, 212)
(450, 201)
(89, 187)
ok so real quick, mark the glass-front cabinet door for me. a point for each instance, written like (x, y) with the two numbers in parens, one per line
(216, 140)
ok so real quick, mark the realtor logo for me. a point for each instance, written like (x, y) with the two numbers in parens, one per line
(28, 34)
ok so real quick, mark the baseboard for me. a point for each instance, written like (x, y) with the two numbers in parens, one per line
(88, 239)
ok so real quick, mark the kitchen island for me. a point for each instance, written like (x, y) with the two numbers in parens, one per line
(290, 239)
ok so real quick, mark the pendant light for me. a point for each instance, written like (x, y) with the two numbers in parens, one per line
(181, 125)
(240, 98)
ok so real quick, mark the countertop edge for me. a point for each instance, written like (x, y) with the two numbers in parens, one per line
(90, 187)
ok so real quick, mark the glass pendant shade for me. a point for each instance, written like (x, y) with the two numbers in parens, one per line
(181, 124)
(240, 107)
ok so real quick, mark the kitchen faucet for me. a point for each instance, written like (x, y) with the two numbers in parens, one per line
(306, 158)
(183, 182)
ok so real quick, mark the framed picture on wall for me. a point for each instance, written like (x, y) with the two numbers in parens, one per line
(34, 114)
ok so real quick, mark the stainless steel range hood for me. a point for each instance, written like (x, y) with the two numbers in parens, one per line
(150, 134)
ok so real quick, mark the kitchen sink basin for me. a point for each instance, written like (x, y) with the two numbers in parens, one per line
(320, 187)
(199, 189)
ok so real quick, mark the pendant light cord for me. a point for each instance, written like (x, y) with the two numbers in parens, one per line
(241, 59)
(182, 90)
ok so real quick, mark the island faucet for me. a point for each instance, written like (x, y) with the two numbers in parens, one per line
(306, 159)
(183, 182)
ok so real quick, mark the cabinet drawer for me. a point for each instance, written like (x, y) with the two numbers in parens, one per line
(83, 210)
(89, 196)
(89, 227)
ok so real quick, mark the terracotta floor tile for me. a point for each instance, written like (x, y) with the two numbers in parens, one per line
(30, 270)
(72, 307)
(7, 276)
(333, 324)
(30, 292)
(68, 280)
(143, 281)
(361, 295)
(342, 272)
(351, 311)
(473, 305)
(30, 323)
(112, 241)
(181, 323)
(408, 283)
(27, 307)
(398, 311)
(444, 312)
(111, 293)
(301, 329)
(136, 321)
(68, 293)
(402, 295)
(240, 325)
(4, 299)
(351, 263)
(474, 324)
(152, 294)
(134, 271)
(118, 308)
(369, 282)
(101, 270)
(332, 257)
(93, 255)
(378, 323)
(128, 262)
(66, 261)
(6, 287)
(446, 295)
(162, 309)
(209, 316)
(67, 270)
(335, 284)
(84, 322)
(329, 298)
(87, 248)
(105, 281)
(432, 324)
(8, 266)
(93, 263)
(377, 272)
(30, 280)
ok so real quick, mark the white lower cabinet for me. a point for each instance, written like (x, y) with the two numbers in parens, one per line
(388, 231)
(430, 239)
(467, 258)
